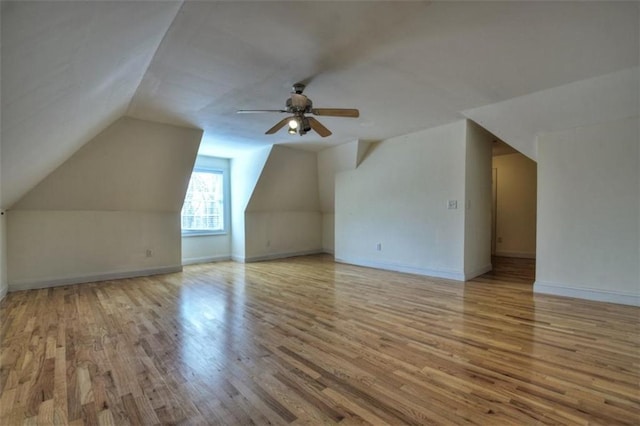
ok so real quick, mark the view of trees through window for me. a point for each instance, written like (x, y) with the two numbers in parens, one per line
(203, 205)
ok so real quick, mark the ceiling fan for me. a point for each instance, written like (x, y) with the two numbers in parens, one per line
(298, 105)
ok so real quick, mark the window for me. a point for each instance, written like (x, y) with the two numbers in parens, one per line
(203, 211)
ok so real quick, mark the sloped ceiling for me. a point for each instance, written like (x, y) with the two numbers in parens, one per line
(406, 65)
(133, 165)
(69, 69)
(522, 119)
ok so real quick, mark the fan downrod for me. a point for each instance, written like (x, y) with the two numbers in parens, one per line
(298, 88)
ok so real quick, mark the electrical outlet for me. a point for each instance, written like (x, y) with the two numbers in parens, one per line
(268, 243)
(452, 205)
(149, 253)
(379, 247)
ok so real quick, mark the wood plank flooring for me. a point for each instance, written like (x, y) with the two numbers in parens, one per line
(309, 341)
(512, 269)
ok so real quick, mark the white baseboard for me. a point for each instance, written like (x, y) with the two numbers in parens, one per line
(520, 254)
(598, 295)
(32, 285)
(438, 273)
(477, 272)
(273, 256)
(209, 259)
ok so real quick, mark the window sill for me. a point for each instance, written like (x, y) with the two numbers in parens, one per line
(203, 234)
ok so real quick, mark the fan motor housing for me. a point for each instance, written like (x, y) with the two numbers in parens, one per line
(298, 104)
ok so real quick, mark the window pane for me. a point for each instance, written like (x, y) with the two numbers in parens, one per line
(203, 205)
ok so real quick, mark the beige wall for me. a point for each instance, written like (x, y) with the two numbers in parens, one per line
(283, 216)
(64, 247)
(288, 182)
(278, 234)
(516, 205)
(111, 210)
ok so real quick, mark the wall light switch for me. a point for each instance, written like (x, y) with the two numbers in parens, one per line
(453, 204)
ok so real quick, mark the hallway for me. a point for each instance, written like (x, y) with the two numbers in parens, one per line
(512, 269)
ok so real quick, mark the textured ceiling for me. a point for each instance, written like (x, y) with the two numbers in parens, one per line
(70, 69)
(406, 66)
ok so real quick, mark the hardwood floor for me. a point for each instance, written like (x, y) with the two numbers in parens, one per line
(309, 341)
(512, 269)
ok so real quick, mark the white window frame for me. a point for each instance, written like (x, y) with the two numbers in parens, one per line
(226, 202)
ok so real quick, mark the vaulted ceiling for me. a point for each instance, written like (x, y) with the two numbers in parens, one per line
(69, 69)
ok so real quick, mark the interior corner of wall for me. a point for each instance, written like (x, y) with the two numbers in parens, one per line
(365, 149)
(362, 151)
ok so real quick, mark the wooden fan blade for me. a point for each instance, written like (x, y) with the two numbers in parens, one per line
(318, 127)
(278, 126)
(258, 111)
(336, 112)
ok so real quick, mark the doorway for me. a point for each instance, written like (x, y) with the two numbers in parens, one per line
(514, 209)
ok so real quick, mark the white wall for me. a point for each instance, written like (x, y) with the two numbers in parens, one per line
(283, 216)
(209, 248)
(245, 172)
(98, 214)
(588, 210)
(477, 216)
(330, 162)
(516, 205)
(398, 197)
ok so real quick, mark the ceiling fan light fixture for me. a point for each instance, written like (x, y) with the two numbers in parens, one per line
(297, 106)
